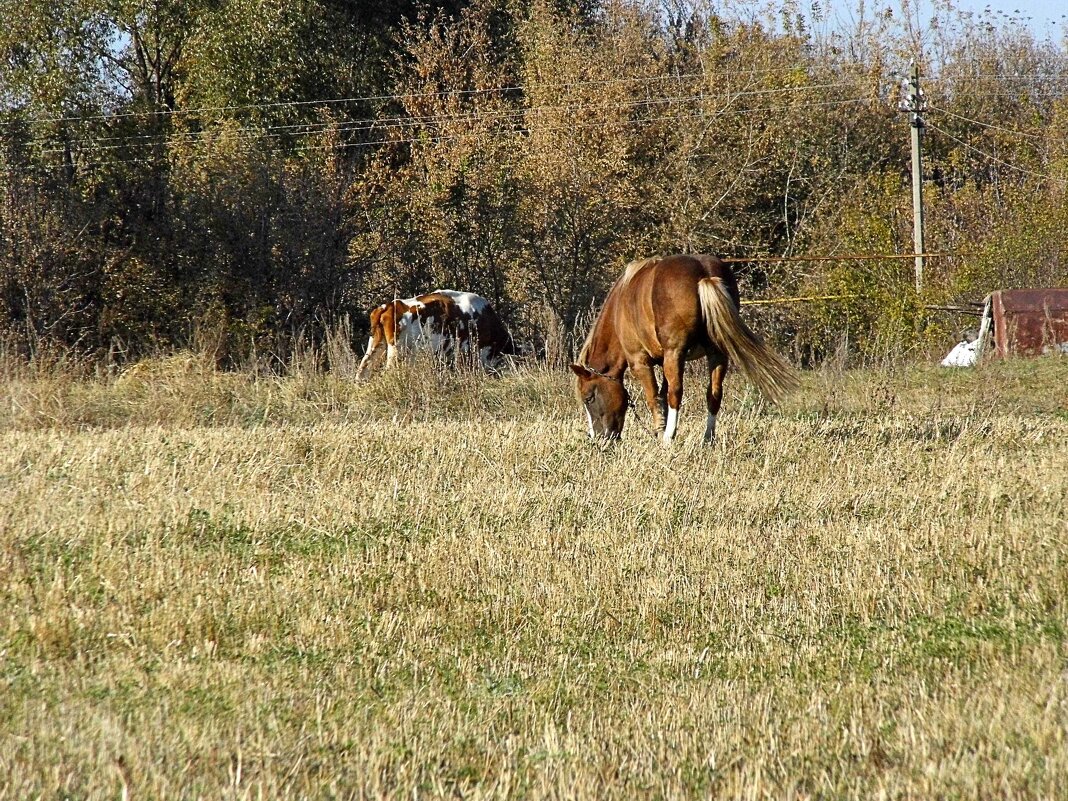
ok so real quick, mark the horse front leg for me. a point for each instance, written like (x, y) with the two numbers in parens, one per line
(647, 378)
(717, 369)
(674, 367)
(391, 355)
(374, 350)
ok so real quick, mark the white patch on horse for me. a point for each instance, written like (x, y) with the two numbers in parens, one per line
(391, 355)
(403, 321)
(469, 303)
(672, 424)
(589, 420)
(412, 332)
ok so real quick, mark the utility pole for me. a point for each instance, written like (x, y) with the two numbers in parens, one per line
(913, 103)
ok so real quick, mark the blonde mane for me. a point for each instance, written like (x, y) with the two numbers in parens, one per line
(629, 272)
(632, 270)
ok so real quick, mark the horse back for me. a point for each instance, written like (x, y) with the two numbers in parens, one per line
(659, 307)
(691, 270)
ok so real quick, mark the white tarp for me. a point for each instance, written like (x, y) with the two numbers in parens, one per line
(964, 354)
(968, 354)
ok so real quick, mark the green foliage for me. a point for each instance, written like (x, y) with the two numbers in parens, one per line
(258, 170)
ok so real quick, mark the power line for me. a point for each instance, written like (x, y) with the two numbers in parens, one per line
(517, 116)
(251, 135)
(370, 124)
(404, 96)
(994, 158)
(851, 257)
(502, 90)
(1058, 76)
(1016, 95)
(989, 125)
(442, 138)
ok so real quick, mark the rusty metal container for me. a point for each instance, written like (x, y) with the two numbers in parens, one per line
(1029, 322)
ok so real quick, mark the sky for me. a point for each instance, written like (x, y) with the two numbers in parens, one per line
(1045, 18)
(1040, 14)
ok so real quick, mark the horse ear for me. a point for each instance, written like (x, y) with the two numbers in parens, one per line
(581, 371)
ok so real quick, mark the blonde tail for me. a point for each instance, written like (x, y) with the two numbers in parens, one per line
(760, 364)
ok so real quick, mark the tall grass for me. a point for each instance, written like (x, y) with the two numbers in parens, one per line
(430, 585)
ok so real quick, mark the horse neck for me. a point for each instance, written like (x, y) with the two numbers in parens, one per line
(603, 351)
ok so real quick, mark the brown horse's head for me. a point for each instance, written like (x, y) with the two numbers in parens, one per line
(605, 399)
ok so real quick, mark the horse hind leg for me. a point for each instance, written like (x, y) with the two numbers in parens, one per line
(717, 369)
(674, 367)
(661, 402)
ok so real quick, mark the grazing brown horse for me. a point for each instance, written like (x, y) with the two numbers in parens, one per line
(667, 311)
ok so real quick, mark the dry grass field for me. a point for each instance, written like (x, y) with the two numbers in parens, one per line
(228, 586)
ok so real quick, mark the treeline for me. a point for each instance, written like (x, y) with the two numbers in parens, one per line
(238, 174)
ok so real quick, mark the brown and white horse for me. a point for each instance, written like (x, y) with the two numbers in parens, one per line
(443, 322)
(667, 311)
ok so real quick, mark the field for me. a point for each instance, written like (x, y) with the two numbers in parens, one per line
(229, 586)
